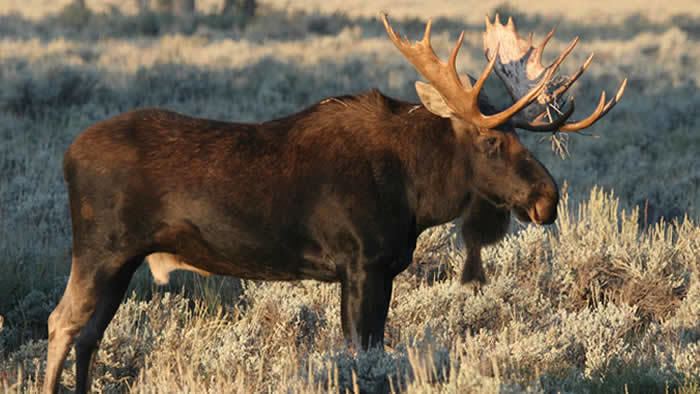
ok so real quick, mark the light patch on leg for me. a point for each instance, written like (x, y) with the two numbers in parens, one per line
(162, 264)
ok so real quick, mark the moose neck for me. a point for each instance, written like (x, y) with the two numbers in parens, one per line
(437, 167)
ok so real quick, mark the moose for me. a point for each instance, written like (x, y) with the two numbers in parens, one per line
(338, 192)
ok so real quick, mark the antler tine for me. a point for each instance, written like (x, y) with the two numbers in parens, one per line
(563, 88)
(452, 63)
(557, 62)
(390, 31)
(540, 126)
(403, 43)
(488, 22)
(428, 31)
(599, 112)
(540, 49)
(484, 74)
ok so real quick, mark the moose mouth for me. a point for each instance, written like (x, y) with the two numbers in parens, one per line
(540, 212)
(523, 214)
(534, 215)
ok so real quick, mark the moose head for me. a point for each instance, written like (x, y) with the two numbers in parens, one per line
(502, 170)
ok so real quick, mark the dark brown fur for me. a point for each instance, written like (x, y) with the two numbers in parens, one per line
(338, 192)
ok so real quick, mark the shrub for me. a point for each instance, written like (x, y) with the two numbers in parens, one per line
(53, 88)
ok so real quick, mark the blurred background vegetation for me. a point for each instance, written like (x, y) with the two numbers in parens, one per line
(67, 64)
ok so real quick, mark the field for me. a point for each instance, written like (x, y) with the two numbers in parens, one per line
(605, 300)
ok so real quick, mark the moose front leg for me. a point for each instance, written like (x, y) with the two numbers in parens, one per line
(365, 297)
(473, 270)
(482, 224)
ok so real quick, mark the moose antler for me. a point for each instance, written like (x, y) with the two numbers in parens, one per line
(519, 66)
(460, 95)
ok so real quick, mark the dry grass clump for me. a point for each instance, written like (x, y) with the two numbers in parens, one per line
(613, 262)
(594, 304)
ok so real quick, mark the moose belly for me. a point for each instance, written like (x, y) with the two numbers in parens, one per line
(233, 250)
(268, 264)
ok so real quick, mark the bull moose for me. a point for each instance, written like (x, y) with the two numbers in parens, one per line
(338, 192)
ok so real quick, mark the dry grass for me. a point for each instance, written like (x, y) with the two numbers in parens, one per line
(603, 301)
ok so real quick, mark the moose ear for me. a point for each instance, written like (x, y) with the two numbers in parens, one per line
(432, 100)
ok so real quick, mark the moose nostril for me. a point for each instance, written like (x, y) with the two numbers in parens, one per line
(545, 211)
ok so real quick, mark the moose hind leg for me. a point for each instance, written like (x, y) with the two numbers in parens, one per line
(86, 292)
(365, 298)
(65, 322)
(110, 297)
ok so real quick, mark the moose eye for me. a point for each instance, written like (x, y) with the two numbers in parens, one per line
(490, 145)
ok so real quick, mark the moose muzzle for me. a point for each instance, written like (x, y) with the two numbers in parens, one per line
(543, 204)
